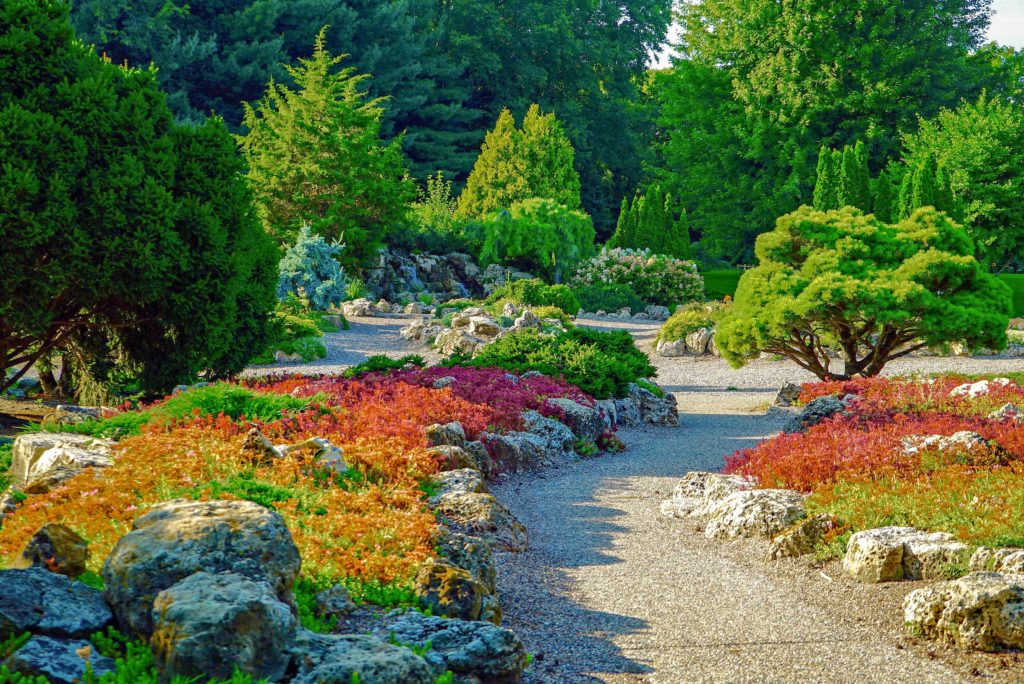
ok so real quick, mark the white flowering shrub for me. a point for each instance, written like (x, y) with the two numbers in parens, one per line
(656, 278)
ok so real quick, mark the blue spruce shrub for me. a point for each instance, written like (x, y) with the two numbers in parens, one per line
(310, 271)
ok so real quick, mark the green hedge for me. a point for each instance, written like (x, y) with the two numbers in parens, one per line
(1016, 283)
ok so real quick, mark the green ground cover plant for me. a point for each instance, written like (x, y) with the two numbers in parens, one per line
(688, 319)
(534, 292)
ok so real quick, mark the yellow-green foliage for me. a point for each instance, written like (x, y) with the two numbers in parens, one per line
(690, 318)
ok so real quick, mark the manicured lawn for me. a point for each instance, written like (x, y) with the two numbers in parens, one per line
(1016, 283)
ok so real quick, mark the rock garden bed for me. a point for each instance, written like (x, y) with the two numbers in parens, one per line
(903, 479)
(346, 521)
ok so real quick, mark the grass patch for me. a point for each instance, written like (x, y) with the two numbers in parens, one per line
(1016, 283)
(233, 401)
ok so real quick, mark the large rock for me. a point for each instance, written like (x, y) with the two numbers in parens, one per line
(1008, 412)
(972, 390)
(518, 452)
(963, 442)
(40, 461)
(451, 434)
(657, 313)
(483, 326)
(585, 421)
(890, 554)
(527, 321)
(671, 349)
(788, 394)
(42, 602)
(815, 412)
(358, 308)
(210, 625)
(421, 330)
(472, 651)
(697, 341)
(802, 538)
(461, 481)
(471, 554)
(998, 560)
(453, 458)
(558, 438)
(982, 611)
(483, 516)
(60, 661)
(56, 548)
(627, 412)
(655, 410)
(178, 538)
(341, 659)
(449, 591)
(754, 513)
(698, 491)
(455, 341)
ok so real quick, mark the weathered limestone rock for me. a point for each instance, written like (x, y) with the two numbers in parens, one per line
(1008, 412)
(483, 516)
(983, 611)
(449, 591)
(453, 457)
(801, 538)
(889, 554)
(697, 341)
(964, 441)
(178, 538)
(461, 481)
(482, 326)
(657, 313)
(471, 554)
(60, 661)
(42, 602)
(815, 412)
(655, 410)
(441, 383)
(518, 452)
(473, 651)
(323, 658)
(481, 456)
(998, 560)
(209, 625)
(334, 601)
(42, 460)
(450, 433)
(788, 394)
(56, 548)
(977, 389)
(585, 421)
(558, 438)
(699, 490)
(627, 412)
(456, 341)
(69, 414)
(358, 308)
(672, 349)
(754, 513)
(420, 330)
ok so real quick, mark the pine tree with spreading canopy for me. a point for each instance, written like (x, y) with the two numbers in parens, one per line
(842, 280)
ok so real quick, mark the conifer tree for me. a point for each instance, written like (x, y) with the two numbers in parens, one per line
(923, 194)
(625, 215)
(884, 198)
(905, 200)
(315, 157)
(535, 161)
(826, 194)
(860, 152)
(678, 244)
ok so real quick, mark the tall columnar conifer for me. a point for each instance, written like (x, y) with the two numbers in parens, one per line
(884, 197)
(826, 194)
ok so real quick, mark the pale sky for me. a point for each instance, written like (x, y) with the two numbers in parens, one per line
(1006, 28)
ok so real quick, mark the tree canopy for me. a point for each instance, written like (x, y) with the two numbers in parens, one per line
(130, 243)
(872, 291)
(315, 157)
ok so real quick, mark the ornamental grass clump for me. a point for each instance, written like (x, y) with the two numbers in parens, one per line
(655, 278)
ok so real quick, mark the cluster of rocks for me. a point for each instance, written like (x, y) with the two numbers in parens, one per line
(700, 342)
(400, 275)
(473, 328)
(651, 312)
(363, 308)
(209, 586)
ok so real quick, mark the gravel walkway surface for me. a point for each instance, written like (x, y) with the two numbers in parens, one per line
(610, 591)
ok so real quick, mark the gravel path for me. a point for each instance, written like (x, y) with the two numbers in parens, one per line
(612, 592)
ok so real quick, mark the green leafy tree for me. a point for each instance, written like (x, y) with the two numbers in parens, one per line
(873, 291)
(519, 164)
(130, 244)
(762, 85)
(979, 149)
(315, 157)
(540, 236)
